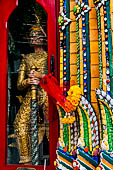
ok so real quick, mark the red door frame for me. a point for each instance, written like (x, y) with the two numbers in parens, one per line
(6, 8)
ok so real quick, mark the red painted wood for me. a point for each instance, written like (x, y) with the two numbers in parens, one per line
(6, 8)
(58, 40)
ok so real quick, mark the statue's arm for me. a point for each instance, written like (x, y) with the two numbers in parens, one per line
(22, 83)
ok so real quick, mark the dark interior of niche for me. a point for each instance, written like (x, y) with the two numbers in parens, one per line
(19, 25)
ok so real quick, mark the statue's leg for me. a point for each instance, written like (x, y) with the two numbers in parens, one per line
(22, 131)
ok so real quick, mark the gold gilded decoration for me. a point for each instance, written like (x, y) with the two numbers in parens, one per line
(33, 92)
(22, 123)
(13, 145)
(25, 168)
(40, 64)
(20, 98)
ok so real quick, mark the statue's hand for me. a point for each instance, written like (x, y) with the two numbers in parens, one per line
(38, 75)
(33, 81)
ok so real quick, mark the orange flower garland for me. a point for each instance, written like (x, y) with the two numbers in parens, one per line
(73, 98)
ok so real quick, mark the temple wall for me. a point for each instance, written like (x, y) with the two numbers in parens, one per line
(94, 54)
(73, 46)
(94, 50)
(87, 131)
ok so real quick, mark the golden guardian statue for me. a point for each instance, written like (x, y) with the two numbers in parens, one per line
(32, 68)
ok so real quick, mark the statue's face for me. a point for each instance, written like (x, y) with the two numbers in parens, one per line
(38, 36)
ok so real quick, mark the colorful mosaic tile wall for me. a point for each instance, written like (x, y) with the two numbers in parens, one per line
(99, 69)
(87, 141)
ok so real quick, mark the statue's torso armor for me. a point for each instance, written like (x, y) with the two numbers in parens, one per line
(38, 61)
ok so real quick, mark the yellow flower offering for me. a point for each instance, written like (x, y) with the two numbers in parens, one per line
(74, 94)
(68, 120)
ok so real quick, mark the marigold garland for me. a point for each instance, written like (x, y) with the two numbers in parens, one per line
(73, 98)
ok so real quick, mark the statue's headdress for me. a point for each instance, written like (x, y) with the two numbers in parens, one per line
(38, 34)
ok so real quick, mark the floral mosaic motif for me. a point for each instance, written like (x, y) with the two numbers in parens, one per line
(99, 3)
(105, 97)
(106, 111)
(72, 140)
(63, 21)
(67, 118)
(93, 124)
(80, 9)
